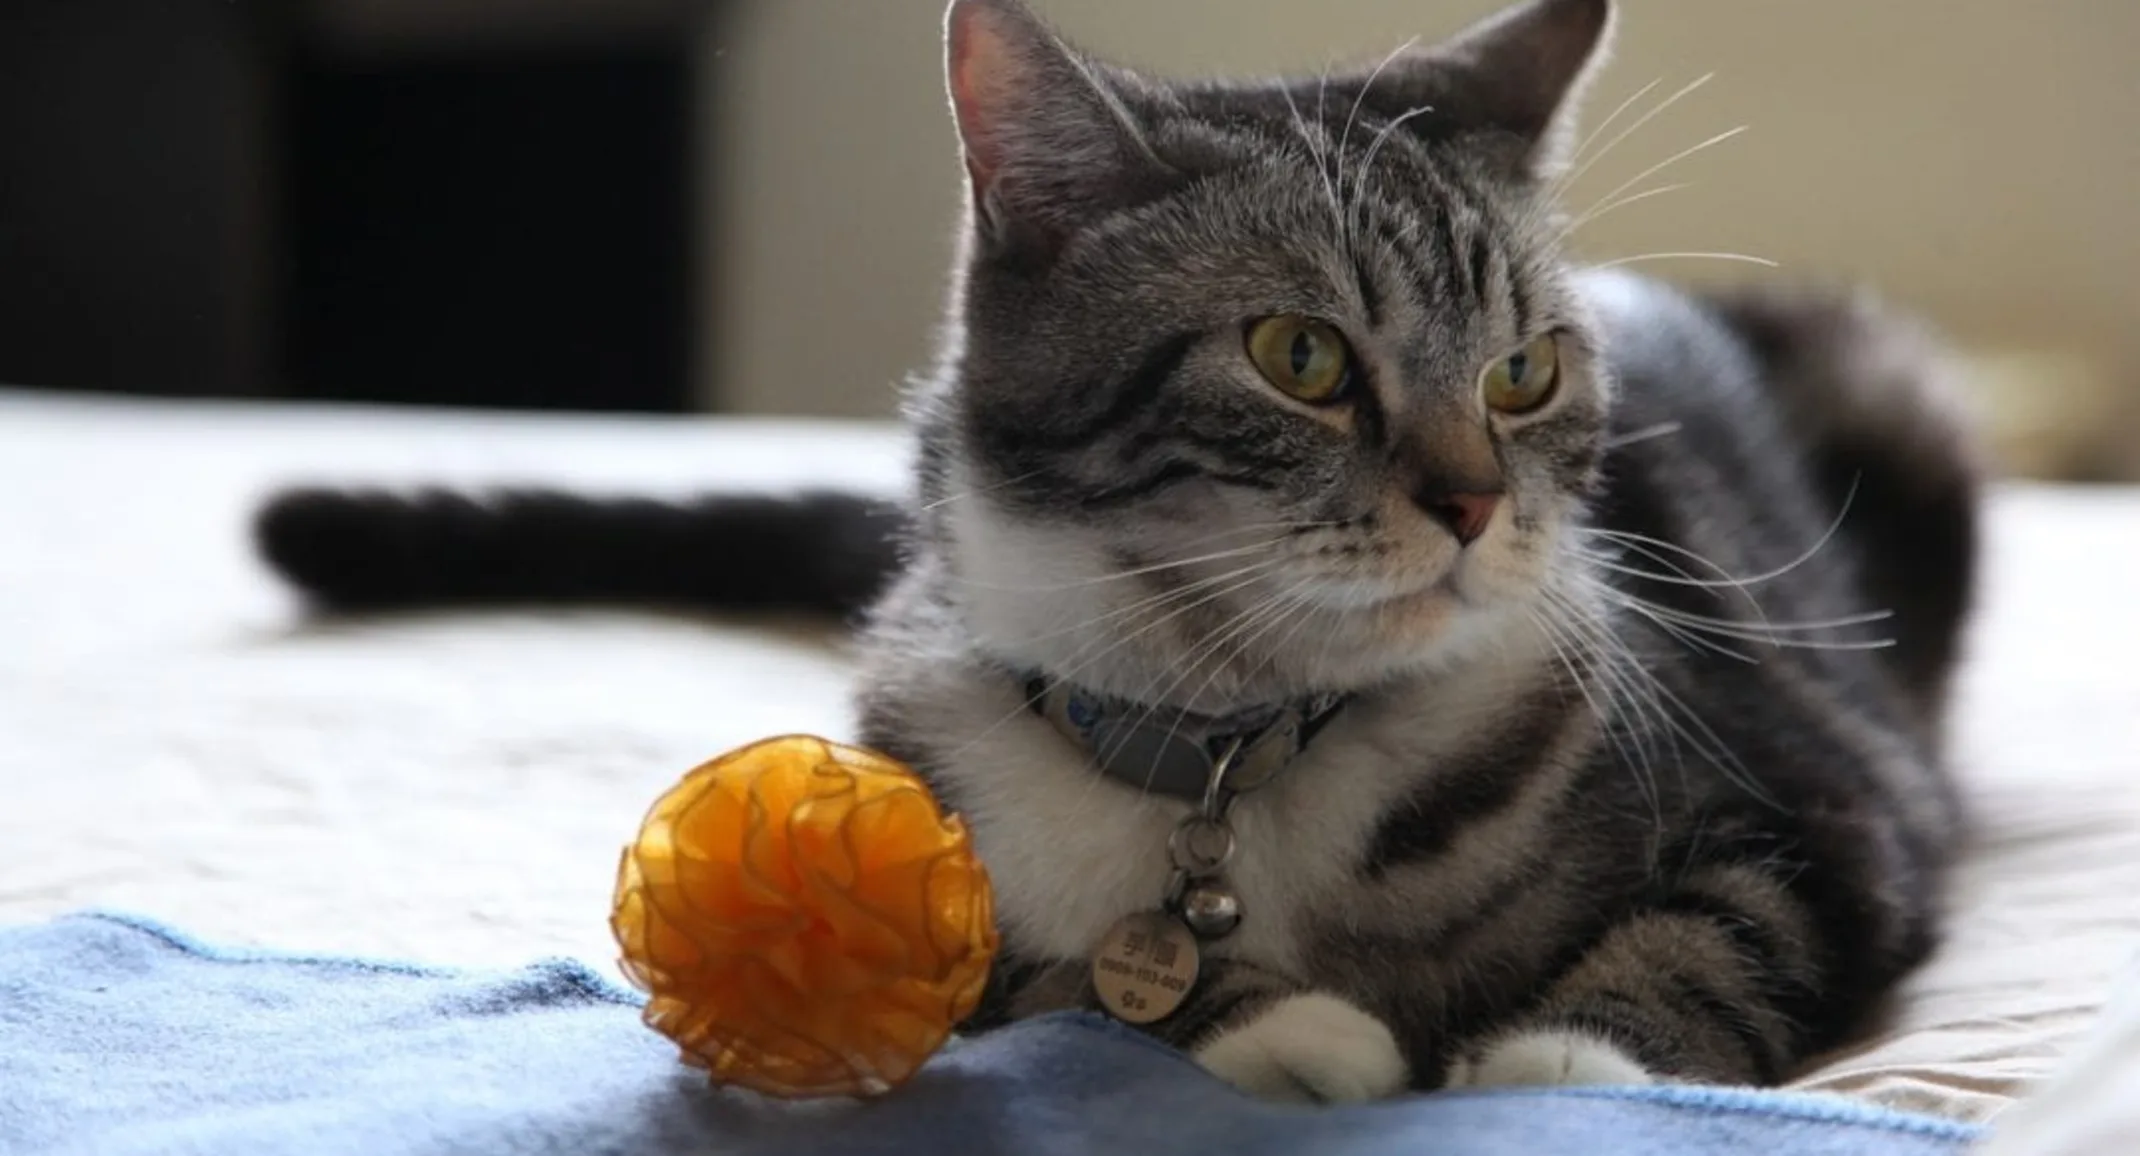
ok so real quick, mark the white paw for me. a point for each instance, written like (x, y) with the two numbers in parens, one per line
(1309, 1048)
(1548, 1058)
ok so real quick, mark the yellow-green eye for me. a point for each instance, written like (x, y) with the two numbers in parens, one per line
(1524, 380)
(1306, 359)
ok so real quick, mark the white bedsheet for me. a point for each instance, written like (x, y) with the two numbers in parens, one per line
(455, 789)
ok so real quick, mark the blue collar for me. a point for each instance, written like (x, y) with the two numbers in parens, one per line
(1168, 751)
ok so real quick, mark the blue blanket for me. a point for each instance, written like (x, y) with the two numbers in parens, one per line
(118, 1037)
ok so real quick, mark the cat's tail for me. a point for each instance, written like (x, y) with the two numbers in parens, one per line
(367, 550)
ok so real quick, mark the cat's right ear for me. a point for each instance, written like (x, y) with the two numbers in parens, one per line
(1048, 141)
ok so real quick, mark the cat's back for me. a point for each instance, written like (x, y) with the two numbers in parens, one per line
(1805, 437)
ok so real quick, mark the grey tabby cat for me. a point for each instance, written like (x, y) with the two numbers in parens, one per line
(1604, 629)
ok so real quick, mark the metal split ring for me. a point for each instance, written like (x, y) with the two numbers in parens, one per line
(1200, 845)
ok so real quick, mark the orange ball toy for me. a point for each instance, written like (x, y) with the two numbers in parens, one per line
(804, 919)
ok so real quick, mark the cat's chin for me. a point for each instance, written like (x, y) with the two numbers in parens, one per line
(1426, 633)
(1370, 595)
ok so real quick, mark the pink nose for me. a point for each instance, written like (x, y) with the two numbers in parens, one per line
(1466, 515)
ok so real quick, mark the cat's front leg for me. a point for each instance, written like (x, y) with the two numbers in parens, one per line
(1278, 1039)
(1730, 979)
(1260, 1031)
(1665, 994)
(1289, 1043)
(1543, 1056)
(1307, 1047)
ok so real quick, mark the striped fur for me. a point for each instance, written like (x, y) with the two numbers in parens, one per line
(1626, 788)
(1652, 828)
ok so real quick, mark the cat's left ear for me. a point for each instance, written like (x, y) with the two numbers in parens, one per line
(1520, 75)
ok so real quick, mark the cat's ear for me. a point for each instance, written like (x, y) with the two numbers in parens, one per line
(1523, 72)
(1512, 81)
(1048, 141)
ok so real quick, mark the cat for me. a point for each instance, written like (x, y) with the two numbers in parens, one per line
(1605, 627)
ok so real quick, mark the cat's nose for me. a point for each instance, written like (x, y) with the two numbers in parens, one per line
(1448, 467)
(1465, 514)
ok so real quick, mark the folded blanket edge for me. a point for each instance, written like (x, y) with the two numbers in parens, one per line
(593, 983)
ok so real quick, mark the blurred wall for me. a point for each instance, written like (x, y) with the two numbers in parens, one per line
(1976, 158)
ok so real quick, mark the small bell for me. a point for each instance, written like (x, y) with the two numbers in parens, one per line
(1212, 911)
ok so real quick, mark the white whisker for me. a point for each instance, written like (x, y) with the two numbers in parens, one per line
(1158, 600)
(1315, 152)
(1345, 138)
(1682, 625)
(1285, 644)
(1677, 716)
(1576, 155)
(1367, 163)
(1632, 743)
(1827, 535)
(1211, 646)
(1692, 640)
(1237, 621)
(1275, 613)
(977, 491)
(1840, 622)
(1669, 161)
(1690, 255)
(1661, 552)
(1657, 550)
(1680, 578)
(1603, 712)
(1120, 575)
(1577, 172)
(1604, 207)
(1718, 752)
(1080, 663)
(1661, 429)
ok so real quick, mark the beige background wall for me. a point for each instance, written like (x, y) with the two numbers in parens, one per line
(1978, 158)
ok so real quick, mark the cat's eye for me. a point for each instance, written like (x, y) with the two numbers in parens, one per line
(1525, 379)
(1306, 359)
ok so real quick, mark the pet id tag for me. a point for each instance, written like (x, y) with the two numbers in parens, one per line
(1144, 967)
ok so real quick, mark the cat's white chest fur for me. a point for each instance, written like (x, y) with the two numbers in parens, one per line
(1071, 851)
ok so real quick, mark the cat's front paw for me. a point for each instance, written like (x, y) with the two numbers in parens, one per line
(1312, 1048)
(1547, 1057)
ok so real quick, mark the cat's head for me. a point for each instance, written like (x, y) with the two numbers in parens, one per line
(1260, 388)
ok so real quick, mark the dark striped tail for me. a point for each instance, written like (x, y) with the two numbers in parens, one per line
(357, 550)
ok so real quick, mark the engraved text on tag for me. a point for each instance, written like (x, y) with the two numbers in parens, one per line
(1144, 967)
